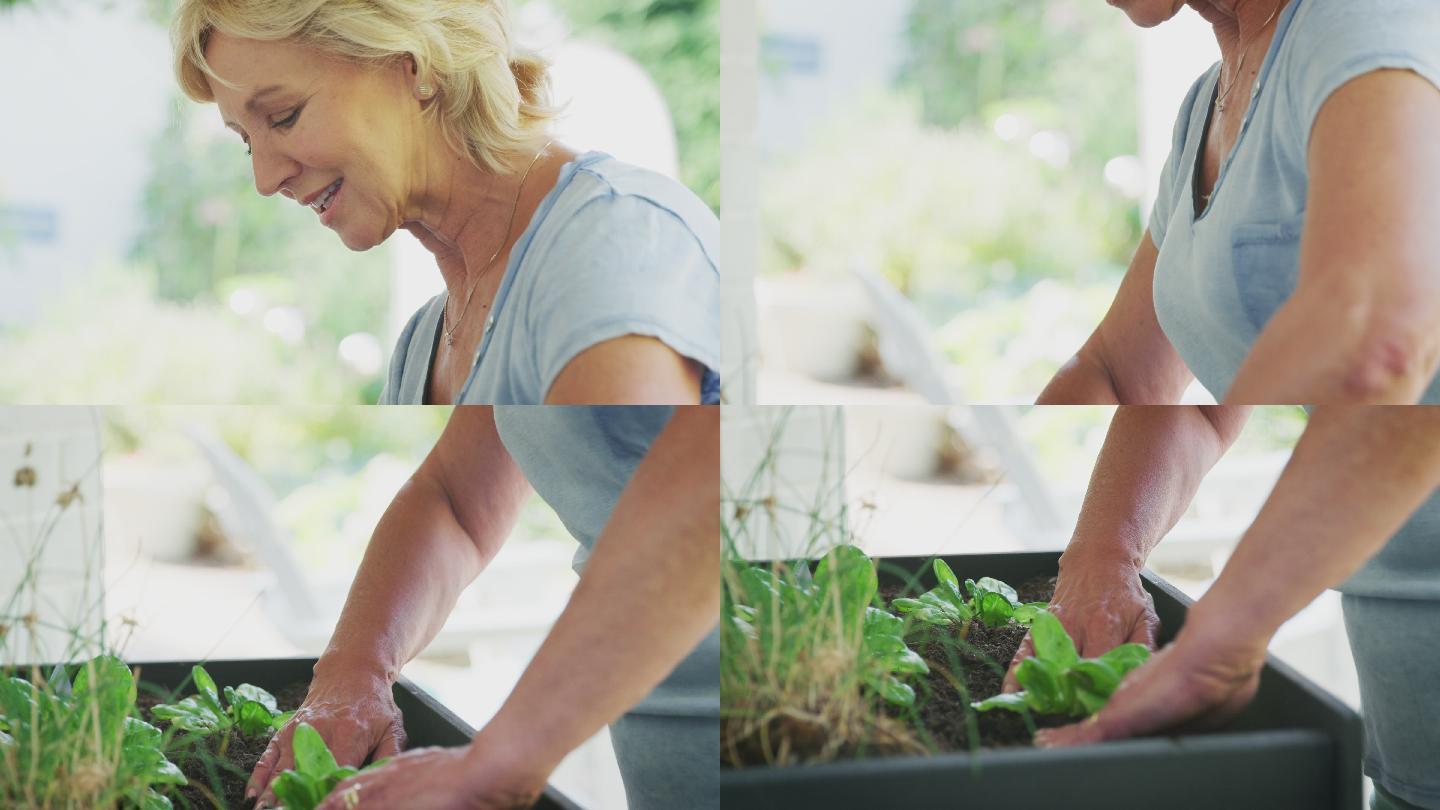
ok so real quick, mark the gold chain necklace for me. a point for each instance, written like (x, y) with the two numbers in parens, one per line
(450, 331)
(1239, 68)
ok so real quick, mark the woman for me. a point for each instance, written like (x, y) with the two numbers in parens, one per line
(1366, 526)
(570, 278)
(1291, 255)
(635, 648)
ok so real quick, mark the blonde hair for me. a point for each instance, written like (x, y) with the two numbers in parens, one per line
(492, 100)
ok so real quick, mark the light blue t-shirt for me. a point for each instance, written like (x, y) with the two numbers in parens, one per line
(1222, 273)
(579, 459)
(612, 250)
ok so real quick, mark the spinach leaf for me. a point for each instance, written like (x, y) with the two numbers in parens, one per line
(251, 710)
(315, 774)
(1058, 681)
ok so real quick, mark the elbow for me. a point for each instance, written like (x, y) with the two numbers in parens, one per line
(1391, 364)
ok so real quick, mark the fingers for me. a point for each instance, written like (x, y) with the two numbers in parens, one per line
(391, 743)
(260, 777)
(1027, 650)
(347, 794)
(1145, 630)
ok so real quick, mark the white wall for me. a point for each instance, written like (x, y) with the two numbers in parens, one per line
(50, 556)
(740, 197)
(84, 94)
(819, 57)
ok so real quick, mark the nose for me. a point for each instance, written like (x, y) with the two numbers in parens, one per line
(272, 169)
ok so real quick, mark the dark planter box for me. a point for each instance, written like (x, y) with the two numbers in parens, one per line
(426, 721)
(1295, 748)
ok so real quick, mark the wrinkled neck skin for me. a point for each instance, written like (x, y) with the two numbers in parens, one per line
(1238, 24)
(457, 211)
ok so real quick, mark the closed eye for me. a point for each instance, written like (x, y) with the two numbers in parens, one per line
(289, 120)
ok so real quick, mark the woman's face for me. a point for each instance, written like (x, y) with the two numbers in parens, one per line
(1149, 13)
(322, 130)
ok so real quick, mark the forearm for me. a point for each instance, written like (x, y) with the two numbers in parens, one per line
(417, 563)
(650, 592)
(1320, 348)
(1150, 466)
(1357, 474)
(442, 529)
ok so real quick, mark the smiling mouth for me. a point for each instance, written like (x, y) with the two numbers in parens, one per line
(322, 203)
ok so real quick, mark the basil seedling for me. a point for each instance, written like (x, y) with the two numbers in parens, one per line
(249, 709)
(990, 600)
(316, 772)
(1058, 681)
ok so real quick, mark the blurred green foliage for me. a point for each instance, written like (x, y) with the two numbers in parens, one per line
(114, 335)
(1064, 63)
(678, 44)
(946, 214)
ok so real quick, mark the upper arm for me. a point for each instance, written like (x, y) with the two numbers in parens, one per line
(1370, 241)
(629, 370)
(483, 485)
(1129, 344)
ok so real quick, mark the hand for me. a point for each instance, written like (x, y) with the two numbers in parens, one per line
(441, 779)
(356, 716)
(1204, 678)
(1101, 604)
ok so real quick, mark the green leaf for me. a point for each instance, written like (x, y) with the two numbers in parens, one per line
(993, 585)
(311, 754)
(907, 605)
(255, 693)
(155, 801)
(252, 718)
(105, 682)
(1126, 657)
(1046, 690)
(205, 688)
(847, 572)
(298, 791)
(1025, 614)
(192, 714)
(1011, 701)
(891, 689)
(994, 609)
(1051, 641)
(1097, 677)
(945, 576)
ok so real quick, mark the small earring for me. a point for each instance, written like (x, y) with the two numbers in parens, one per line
(426, 91)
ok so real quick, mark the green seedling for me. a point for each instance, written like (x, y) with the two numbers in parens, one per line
(1058, 681)
(839, 596)
(79, 744)
(316, 772)
(248, 709)
(990, 600)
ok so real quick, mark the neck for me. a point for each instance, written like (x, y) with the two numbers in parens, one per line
(461, 214)
(1238, 23)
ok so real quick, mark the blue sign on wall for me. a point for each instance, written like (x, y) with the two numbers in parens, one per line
(29, 223)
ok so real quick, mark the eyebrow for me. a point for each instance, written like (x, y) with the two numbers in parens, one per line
(254, 101)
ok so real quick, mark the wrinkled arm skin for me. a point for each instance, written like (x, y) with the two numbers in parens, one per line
(1356, 475)
(443, 527)
(1149, 469)
(1363, 325)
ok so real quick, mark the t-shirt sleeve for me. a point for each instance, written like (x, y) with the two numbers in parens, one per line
(1346, 40)
(624, 265)
(1172, 183)
(390, 392)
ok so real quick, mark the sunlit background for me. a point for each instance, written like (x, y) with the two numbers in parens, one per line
(927, 480)
(138, 264)
(209, 532)
(949, 192)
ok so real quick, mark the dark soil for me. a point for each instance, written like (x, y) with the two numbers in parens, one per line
(216, 781)
(978, 663)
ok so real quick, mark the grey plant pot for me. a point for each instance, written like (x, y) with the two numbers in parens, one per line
(427, 722)
(1295, 748)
